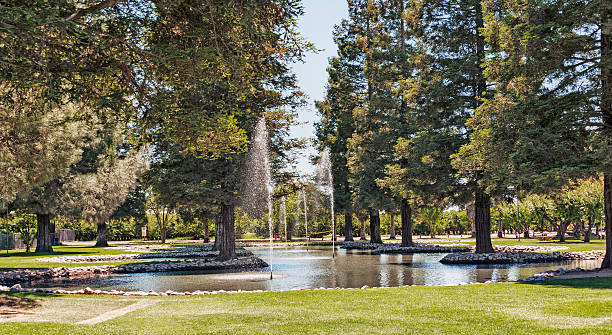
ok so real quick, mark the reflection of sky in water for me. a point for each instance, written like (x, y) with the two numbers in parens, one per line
(298, 268)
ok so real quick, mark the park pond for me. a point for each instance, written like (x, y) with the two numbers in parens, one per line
(299, 267)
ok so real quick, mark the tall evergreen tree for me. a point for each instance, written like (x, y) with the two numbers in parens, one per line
(372, 142)
(443, 89)
(550, 119)
(41, 155)
(97, 194)
(336, 125)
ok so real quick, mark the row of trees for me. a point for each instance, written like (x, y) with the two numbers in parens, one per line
(96, 94)
(578, 208)
(437, 102)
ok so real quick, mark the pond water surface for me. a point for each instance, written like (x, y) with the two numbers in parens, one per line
(302, 268)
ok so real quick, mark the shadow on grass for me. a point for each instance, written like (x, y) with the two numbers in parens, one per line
(55, 253)
(593, 282)
(9, 301)
(13, 304)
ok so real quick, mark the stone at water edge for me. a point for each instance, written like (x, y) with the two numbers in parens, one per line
(16, 287)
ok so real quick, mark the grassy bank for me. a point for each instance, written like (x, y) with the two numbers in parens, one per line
(19, 259)
(579, 306)
(572, 244)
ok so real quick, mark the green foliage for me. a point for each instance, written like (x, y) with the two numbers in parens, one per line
(134, 206)
(544, 125)
(455, 222)
(574, 205)
(25, 225)
(40, 146)
(123, 229)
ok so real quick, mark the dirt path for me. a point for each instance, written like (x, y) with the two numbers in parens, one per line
(117, 312)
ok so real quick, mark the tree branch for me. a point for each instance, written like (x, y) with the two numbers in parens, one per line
(85, 11)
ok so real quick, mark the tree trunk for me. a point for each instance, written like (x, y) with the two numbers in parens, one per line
(432, 230)
(227, 241)
(362, 234)
(607, 262)
(482, 222)
(206, 231)
(44, 238)
(52, 230)
(348, 225)
(290, 226)
(102, 240)
(375, 227)
(606, 110)
(482, 201)
(562, 230)
(587, 233)
(500, 224)
(163, 230)
(473, 233)
(406, 214)
(526, 232)
(392, 228)
(162, 221)
(578, 229)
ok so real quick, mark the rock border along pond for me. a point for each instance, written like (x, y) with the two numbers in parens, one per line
(246, 260)
(520, 257)
(20, 276)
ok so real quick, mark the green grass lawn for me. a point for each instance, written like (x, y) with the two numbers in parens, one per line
(572, 244)
(578, 306)
(19, 259)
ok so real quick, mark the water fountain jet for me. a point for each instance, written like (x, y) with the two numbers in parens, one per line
(259, 178)
(283, 212)
(303, 193)
(325, 166)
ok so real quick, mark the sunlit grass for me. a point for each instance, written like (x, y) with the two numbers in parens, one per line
(571, 244)
(19, 259)
(579, 306)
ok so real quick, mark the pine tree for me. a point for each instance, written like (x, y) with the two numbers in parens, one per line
(336, 125)
(96, 195)
(441, 85)
(42, 150)
(549, 119)
(371, 144)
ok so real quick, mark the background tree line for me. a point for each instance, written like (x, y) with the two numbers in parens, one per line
(437, 103)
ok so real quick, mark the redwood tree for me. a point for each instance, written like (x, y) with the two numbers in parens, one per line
(549, 121)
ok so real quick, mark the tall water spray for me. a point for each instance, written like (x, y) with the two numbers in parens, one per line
(325, 167)
(283, 212)
(259, 166)
(303, 193)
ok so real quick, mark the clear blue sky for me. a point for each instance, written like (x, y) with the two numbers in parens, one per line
(316, 25)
